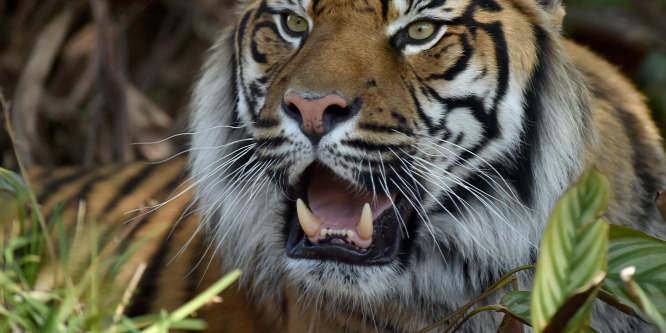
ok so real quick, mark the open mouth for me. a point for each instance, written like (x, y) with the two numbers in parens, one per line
(334, 220)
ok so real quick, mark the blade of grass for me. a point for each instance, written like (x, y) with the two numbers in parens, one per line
(199, 301)
(33, 199)
(134, 282)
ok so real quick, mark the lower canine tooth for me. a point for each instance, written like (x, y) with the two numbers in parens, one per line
(309, 222)
(364, 228)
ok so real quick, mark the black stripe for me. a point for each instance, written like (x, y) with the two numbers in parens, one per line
(371, 145)
(377, 128)
(315, 4)
(385, 8)
(234, 82)
(174, 185)
(647, 176)
(266, 123)
(129, 186)
(146, 290)
(84, 191)
(419, 110)
(255, 92)
(502, 57)
(52, 187)
(240, 35)
(489, 5)
(520, 173)
(488, 119)
(240, 30)
(433, 4)
(254, 49)
(460, 64)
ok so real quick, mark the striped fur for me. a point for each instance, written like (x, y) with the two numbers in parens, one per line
(479, 130)
(176, 252)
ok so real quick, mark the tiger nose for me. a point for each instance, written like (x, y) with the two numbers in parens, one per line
(317, 116)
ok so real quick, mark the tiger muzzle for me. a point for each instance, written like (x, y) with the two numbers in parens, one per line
(338, 221)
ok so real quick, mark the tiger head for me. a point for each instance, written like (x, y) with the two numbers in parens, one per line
(393, 152)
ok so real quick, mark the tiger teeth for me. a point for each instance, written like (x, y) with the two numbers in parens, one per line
(364, 227)
(333, 232)
(309, 222)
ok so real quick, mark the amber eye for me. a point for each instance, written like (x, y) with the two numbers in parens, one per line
(420, 30)
(296, 23)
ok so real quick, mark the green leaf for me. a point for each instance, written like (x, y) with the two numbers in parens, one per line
(13, 192)
(13, 183)
(629, 247)
(649, 310)
(572, 259)
(517, 304)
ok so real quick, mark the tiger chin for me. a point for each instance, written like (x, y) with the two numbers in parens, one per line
(375, 165)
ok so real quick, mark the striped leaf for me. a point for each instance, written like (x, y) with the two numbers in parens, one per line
(517, 304)
(572, 259)
(649, 310)
(629, 247)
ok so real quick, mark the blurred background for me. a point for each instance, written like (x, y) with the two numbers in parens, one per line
(86, 78)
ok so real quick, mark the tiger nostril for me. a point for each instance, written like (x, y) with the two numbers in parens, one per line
(292, 111)
(337, 112)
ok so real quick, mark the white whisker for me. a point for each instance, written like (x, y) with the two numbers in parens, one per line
(190, 133)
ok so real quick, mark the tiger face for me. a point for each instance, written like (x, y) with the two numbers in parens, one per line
(354, 103)
(388, 158)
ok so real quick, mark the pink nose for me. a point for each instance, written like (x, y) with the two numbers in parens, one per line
(315, 113)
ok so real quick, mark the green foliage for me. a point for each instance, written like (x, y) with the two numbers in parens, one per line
(73, 302)
(572, 260)
(647, 308)
(517, 304)
(631, 248)
(582, 257)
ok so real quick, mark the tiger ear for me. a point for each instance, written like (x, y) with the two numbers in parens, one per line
(555, 8)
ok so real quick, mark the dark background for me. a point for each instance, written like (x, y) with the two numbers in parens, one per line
(86, 78)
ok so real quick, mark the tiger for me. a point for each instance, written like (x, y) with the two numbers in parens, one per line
(373, 166)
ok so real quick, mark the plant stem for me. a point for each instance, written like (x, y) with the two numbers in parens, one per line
(493, 288)
(474, 312)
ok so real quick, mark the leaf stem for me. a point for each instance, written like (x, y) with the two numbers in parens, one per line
(503, 281)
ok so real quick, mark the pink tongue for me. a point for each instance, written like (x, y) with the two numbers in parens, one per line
(337, 204)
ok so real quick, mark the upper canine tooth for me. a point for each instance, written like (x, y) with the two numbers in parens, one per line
(364, 228)
(309, 222)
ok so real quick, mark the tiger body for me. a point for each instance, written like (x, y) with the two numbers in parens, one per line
(460, 142)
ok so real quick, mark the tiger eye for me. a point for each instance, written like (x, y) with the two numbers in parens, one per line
(421, 30)
(297, 23)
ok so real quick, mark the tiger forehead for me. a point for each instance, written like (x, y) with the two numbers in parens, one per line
(386, 9)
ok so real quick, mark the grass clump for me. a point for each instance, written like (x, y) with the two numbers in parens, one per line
(53, 282)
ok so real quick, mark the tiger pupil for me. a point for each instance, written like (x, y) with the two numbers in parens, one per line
(421, 30)
(296, 23)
